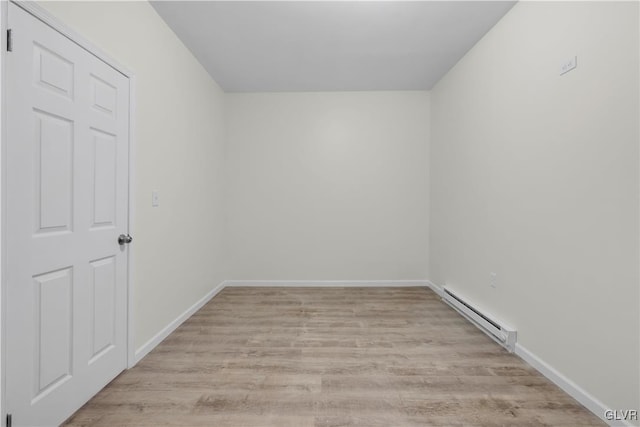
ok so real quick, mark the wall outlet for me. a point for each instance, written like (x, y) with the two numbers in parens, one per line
(155, 199)
(493, 281)
(568, 65)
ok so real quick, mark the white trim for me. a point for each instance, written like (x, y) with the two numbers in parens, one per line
(327, 283)
(131, 358)
(435, 288)
(572, 389)
(4, 7)
(167, 330)
(45, 16)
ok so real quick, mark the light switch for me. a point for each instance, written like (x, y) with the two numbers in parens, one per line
(155, 199)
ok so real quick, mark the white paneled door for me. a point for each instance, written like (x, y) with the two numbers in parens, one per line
(66, 206)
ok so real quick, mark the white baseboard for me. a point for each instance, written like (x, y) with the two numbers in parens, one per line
(569, 387)
(435, 288)
(164, 333)
(327, 283)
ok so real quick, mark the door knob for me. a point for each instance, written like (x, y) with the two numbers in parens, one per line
(124, 238)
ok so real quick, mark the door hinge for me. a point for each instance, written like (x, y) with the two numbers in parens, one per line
(8, 420)
(9, 40)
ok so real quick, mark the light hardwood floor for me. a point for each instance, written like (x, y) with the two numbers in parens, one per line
(330, 357)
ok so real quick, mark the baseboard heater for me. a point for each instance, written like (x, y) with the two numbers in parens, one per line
(499, 332)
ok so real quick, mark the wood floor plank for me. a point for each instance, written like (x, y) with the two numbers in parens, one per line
(330, 357)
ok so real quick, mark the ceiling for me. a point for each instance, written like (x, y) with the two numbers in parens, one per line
(270, 46)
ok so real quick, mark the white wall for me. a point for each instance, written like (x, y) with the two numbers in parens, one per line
(534, 176)
(327, 186)
(179, 139)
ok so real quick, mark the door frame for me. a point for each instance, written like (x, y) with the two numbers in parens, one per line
(46, 17)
